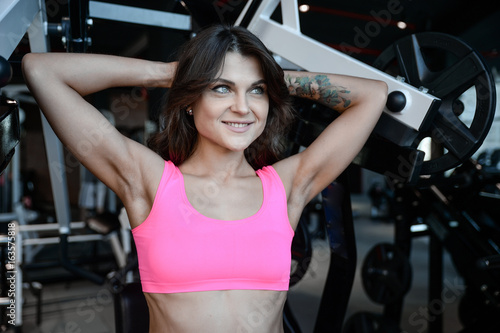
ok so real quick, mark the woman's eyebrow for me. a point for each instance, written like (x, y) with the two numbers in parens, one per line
(231, 83)
(261, 81)
(228, 82)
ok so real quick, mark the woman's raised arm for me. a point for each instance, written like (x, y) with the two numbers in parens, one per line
(59, 81)
(360, 102)
(89, 73)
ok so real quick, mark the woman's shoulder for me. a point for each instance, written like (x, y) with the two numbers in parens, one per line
(286, 170)
(141, 198)
(287, 167)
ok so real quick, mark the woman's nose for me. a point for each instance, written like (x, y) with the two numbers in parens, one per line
(240, 104)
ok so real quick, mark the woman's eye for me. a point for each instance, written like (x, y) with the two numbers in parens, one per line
(221, 89)
(258, 90)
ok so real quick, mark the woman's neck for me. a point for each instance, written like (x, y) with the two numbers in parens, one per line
(208, 163)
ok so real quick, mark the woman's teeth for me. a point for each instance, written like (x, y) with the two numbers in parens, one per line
(237, 124)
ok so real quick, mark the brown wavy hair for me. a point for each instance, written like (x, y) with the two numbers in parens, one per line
(200, 60)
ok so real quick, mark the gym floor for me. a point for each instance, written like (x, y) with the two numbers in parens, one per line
(78, 306)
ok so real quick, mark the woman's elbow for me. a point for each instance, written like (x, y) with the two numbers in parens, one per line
(381, 88)
(28, 65)
(28, 61)
(32, 66)
(379, 93)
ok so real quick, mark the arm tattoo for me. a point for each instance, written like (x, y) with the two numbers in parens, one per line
(318, 88)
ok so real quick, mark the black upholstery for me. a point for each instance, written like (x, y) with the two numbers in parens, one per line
(131, 310)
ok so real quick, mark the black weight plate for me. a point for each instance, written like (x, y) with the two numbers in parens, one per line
(447, 67)
(386, 274)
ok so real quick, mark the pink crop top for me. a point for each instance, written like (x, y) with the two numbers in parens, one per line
(181, 250)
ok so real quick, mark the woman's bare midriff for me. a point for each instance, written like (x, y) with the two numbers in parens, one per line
(231, 311)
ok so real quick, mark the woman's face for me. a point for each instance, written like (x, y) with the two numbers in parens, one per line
(232, 112)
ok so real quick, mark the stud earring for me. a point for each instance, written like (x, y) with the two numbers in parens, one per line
(189, 112)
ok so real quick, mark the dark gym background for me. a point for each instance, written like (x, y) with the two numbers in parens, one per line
(361, 28)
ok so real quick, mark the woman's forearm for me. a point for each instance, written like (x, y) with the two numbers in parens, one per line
(338, 92)
(89, 73)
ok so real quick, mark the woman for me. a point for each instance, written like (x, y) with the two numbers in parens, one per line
(213, 234)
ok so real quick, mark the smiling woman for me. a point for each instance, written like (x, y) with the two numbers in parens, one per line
(212, 204)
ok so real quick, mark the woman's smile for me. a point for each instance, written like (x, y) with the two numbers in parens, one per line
(239, 127)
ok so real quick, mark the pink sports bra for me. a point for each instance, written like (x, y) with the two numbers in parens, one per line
(181, 250)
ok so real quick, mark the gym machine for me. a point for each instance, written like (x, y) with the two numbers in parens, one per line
(422, 103)
(458, 213)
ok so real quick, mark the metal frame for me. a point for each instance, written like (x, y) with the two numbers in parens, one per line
(287, 41)
(109, 11)
(18, 17)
